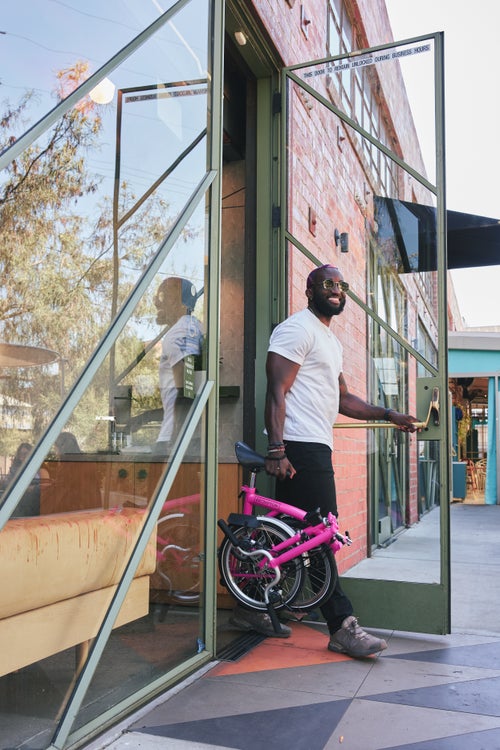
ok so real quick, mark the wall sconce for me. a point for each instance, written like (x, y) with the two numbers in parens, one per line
(342, 238)
(240, 38)
(305, 21)
(340, 137)
(313, 221)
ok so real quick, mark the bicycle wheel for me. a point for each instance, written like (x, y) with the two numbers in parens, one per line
(178, 554)
(243, 577)
(319, 580)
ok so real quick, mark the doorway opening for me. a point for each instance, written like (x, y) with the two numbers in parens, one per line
(470, 438)
(237, 305)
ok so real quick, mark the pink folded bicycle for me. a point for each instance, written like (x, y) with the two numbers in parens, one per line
(281, 560)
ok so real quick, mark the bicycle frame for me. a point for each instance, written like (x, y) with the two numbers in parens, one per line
(326, 531)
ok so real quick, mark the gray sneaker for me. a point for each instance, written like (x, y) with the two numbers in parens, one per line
(352, 640)
(246, 619)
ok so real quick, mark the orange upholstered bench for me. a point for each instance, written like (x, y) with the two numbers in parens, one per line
(59, 573)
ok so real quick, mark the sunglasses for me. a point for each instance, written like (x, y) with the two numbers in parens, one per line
(342, 286)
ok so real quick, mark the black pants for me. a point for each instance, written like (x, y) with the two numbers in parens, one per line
(312, 487)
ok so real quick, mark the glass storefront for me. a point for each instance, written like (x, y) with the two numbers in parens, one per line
(141, 282)
(106, 345)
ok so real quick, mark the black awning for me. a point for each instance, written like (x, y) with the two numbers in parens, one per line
(409, 230)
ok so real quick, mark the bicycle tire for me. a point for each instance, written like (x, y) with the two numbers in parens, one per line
(320, 577)
(241, 574)
(178, 557)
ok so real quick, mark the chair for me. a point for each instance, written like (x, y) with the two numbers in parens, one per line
(471, 474)
(480, 467)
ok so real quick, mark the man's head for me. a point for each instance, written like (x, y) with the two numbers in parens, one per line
(325, 291)
(174, 297)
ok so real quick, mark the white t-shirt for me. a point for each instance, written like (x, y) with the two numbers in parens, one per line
(312, 403)
(183, 338)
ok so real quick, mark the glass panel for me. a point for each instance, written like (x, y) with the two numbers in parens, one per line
(37, 43)
(96, 195)
(172, 627)
(376, 221)
(87, 239)
(413, 553)
(103, 473)
(151, 637)
(398, 87)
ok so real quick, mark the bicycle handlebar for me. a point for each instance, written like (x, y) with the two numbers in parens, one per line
(344, 538)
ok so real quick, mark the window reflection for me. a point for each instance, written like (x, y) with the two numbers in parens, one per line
(171, 629)
(89, 234)
(75, 483)
(175, 301)
(29, 505)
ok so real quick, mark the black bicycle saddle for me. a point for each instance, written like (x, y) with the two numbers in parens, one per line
(248, 458)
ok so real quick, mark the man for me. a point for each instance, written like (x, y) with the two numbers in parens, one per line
(306, 390)
(175, 300)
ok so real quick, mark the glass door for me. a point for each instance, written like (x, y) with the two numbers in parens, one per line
(363, 165)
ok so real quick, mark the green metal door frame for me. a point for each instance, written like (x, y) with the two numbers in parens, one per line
(391, 604)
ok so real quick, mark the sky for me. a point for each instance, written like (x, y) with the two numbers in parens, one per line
(472, 116)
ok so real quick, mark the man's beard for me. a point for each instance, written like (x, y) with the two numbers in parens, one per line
(325, 307)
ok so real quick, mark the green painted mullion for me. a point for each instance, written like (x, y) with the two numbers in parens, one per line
(284, 180)
(445, 457)
(268, 248)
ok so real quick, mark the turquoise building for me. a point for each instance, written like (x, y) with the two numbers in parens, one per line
(474, 364)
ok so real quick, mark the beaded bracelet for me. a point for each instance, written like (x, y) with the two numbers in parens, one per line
(386, 414)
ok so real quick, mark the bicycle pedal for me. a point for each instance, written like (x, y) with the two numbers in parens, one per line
(275, 597)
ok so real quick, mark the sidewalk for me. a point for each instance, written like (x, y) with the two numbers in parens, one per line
(423, 693)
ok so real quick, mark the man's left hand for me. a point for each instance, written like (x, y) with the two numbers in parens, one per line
(403, 422)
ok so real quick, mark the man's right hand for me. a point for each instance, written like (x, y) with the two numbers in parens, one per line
(280, 468)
